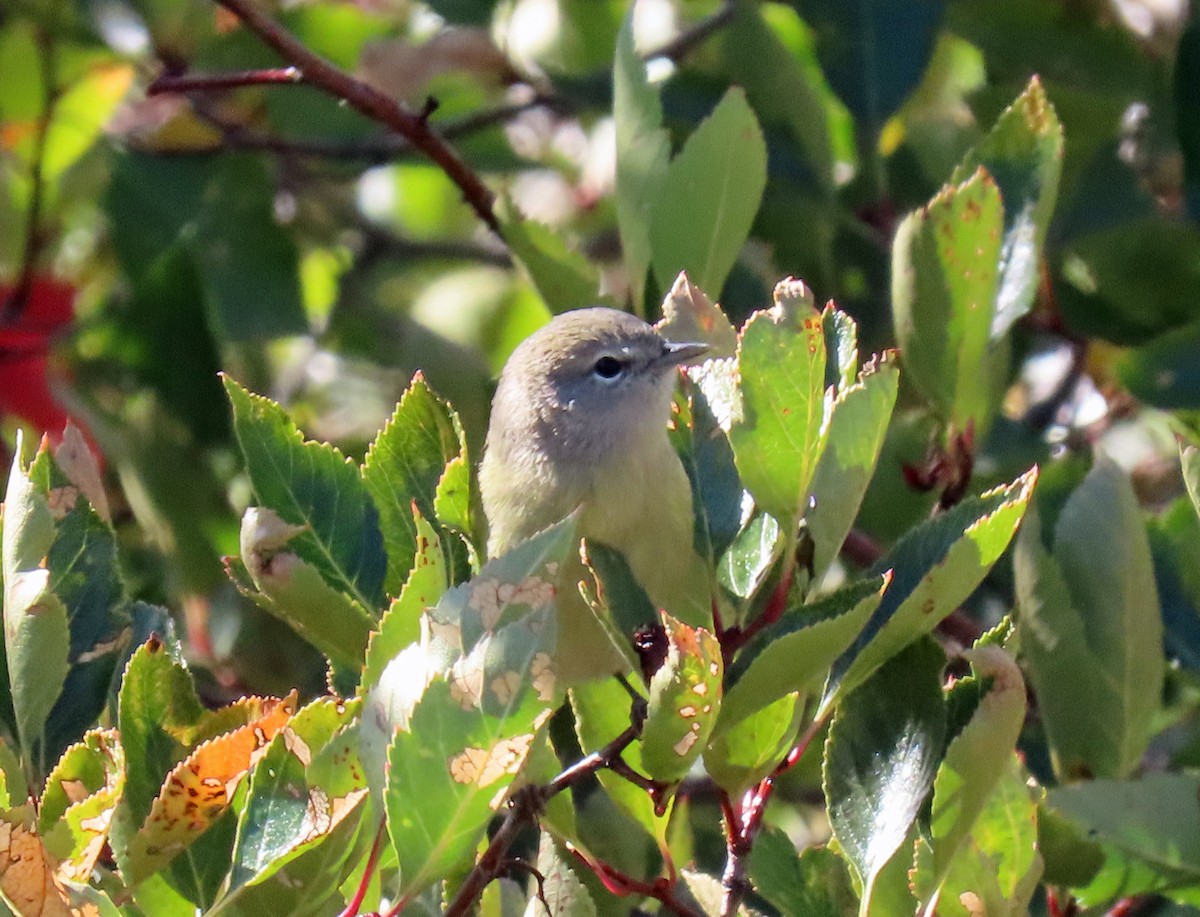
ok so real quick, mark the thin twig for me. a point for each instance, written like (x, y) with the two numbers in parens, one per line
(372, 859)
(661, 889)
(18, 298)
(742, 828)
(234, 79)
(687, 40)
(370, 102)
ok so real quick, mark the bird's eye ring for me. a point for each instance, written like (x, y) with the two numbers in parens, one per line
(608, 367)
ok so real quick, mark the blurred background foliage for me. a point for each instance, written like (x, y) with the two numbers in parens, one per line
(148, 241)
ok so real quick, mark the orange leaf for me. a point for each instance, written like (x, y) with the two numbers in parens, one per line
(198, 790)
(27, 871)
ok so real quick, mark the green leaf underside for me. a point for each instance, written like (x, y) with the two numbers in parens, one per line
(1091, 627)
(36, 632)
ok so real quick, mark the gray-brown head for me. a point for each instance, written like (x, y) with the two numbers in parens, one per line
(590, 382)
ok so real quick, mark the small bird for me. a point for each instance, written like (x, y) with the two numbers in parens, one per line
(579, 421)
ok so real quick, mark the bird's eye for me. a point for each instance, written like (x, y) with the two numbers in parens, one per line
(608, 367)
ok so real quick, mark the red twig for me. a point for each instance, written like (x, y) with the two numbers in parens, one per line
(740, 832)
(369, 101)
(235, 79)
(661, 889)
(372, 860)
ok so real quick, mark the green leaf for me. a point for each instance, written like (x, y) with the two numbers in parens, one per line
(560, 888)
(296, 592)
(707, 457)
(1023, 155)
(744, 567)
(493, 637)
(78, 801)
(80, 114)
(1131, 282)
(685, 700)
(602, 711)
(781, 432)
(881, 758)
(84, 577)
(857, 428)
(934, 568)
(944, 281)
(36, 630)
(454, 506)
(795, 653)
(312, 485)
(976, 759)
(401, 623)
(287, 813)
(745, 751)
(814, 883)
(248, 262)
(562, 277)
(449, 775)
(1163, 372)
(710, 196)
(1000, 864)
(403, 468)
(643, 149)
(874, 53)
(157, 702)
(1091, 629)
(784, 87)
(1155, 819)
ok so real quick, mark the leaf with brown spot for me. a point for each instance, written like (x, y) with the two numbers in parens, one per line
(685, 698)
(27, 870)
(198, 790)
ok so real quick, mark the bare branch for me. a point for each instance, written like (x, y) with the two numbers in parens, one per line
(366, 99)
(235, 79)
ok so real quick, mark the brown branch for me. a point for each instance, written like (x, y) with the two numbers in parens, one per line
(369, 101)
(235, 79)
(687, 40)
(14, 304)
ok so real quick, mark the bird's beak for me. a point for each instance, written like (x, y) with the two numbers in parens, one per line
(678, 354)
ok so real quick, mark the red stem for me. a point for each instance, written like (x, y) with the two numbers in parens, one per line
(372, 860)
(204, 82)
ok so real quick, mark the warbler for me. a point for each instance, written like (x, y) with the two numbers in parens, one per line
(579, 421)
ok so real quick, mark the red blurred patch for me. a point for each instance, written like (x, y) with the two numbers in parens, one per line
(25, 370)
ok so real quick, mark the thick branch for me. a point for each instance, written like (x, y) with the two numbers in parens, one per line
(366, 99)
